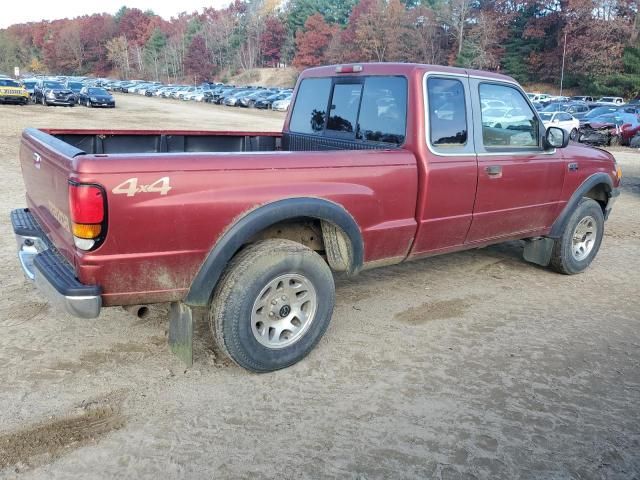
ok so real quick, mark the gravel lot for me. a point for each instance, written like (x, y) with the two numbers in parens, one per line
(471, 365)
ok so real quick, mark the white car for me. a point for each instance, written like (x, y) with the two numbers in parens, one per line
(611, 101)
(281, 105)
(538, 97)
(564, 120)
(486, 104)
(503, 117)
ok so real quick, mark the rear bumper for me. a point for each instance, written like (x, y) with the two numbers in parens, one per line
(50, 272)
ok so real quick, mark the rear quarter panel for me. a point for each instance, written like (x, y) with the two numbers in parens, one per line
(156, 243)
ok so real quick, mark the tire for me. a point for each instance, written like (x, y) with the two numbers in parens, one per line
(573, 134)
(88, 104)
(615, 141)
(44, 101)
(252, 304)
(573, 253)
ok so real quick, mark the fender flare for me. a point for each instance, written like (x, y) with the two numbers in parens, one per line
(257, 220)
(599, 178)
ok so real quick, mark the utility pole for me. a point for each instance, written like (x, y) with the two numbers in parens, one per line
(564, 53)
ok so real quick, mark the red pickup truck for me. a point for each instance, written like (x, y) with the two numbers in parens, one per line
(376, 164)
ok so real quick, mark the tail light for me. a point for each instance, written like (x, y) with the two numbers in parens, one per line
(87, 207)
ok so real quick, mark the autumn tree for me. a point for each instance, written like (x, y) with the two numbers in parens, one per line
(313, 42)
(196, 62)
(118, 54)
(344, 47)
(272, 40)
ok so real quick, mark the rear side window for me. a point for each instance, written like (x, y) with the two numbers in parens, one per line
(447, 112)
(369, 109)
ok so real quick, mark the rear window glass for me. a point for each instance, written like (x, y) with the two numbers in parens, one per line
(344, 107)
(310, 110)
(383, 114)
(370, 109)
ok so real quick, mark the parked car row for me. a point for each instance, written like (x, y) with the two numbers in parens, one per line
(274, 98)
(604, 121)
(63, 91)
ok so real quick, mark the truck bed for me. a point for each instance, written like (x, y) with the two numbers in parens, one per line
(144, 141)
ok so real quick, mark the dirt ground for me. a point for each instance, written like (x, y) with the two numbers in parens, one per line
(465, 366)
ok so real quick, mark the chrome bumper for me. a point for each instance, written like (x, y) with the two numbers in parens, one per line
(52, 275)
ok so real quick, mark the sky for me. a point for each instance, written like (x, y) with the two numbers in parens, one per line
(51, 10)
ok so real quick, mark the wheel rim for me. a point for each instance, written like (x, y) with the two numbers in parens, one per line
(284, 310)
(573, 134)
(584, 238)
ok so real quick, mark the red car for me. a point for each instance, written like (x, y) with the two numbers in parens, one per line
(611, 129)
(377, 164)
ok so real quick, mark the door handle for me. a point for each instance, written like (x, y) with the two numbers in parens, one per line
(494, 171)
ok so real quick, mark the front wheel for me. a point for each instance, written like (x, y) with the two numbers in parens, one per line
(574, 251)
(88, 104)
(272, 305)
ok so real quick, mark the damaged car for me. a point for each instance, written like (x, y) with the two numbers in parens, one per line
(610, 129)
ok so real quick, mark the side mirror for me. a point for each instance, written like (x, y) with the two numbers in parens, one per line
(556, 137)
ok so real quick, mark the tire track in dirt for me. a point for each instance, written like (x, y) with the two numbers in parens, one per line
(48, 440)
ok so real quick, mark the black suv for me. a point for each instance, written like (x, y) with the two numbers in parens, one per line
(52, 92)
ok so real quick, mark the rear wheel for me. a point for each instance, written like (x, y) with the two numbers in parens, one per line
(272, 305)
(574, 251)
(88, 104)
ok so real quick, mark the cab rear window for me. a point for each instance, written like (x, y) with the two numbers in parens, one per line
(369, 109)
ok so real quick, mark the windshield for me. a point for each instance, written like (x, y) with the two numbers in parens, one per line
(609, 119)
(546, 116)
(75, 85)
(57, 85)
(29, 84)
(5, 82)
(97, 91)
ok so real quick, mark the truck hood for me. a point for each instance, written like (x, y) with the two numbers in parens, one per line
(599, 125)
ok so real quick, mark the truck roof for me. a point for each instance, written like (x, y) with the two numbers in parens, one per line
(397, 68)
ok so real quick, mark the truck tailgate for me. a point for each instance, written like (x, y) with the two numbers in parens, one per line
(46, 164)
